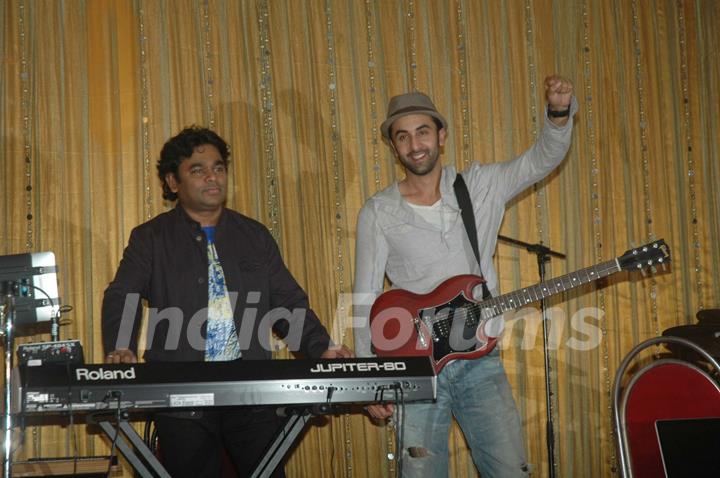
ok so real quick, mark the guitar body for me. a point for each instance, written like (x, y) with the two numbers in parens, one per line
(444, 324)
(448, 324)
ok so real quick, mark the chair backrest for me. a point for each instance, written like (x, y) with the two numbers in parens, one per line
(661, 400)
(664, 390)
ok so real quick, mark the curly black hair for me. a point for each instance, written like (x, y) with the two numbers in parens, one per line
(181, 147)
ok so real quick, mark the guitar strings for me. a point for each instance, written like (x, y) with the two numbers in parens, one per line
(498, 305)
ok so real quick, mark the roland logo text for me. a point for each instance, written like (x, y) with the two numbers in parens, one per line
(102, 374)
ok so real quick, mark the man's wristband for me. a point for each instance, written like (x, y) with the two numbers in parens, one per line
(558, 114)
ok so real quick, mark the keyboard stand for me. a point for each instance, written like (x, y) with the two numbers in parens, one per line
(283, 441)
(119, 432)
(286, 436)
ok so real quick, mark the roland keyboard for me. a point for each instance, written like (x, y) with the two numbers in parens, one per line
(167, 385)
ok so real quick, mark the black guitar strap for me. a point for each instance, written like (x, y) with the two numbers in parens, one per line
(466, 210)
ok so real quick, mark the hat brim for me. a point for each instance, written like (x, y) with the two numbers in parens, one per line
(385, 126)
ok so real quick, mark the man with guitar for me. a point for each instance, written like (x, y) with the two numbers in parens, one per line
(413, 233)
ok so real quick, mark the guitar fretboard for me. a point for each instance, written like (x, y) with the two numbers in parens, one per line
(513, 300)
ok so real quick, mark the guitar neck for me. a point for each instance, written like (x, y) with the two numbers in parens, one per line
(513, 300)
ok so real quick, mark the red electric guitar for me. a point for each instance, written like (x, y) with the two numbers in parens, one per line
(447, 324)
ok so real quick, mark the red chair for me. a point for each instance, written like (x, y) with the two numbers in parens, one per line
(669, 399)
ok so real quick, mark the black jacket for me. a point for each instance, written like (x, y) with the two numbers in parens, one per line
(165, 262)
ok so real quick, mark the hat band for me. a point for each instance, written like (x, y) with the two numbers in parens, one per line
(410, 109)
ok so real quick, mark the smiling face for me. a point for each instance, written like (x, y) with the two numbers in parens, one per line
(201, 183)
(416, 141)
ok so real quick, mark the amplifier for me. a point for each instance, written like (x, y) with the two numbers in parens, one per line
(40, 353)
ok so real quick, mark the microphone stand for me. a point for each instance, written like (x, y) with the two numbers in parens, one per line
(543, 254)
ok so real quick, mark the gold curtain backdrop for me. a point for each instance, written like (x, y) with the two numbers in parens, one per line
(92, 89)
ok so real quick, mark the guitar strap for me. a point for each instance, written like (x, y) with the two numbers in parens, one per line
(468, 216)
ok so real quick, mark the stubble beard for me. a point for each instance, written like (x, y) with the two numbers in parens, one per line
(423, 168)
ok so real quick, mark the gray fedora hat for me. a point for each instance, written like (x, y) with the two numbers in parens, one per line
(409, 104)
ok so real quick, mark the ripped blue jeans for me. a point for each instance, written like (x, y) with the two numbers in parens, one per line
(477, 393)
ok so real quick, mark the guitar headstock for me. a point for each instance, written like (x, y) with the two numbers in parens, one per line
(652, 254)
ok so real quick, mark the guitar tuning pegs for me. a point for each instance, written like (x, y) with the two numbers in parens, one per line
(653, 269)
(643, 272)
